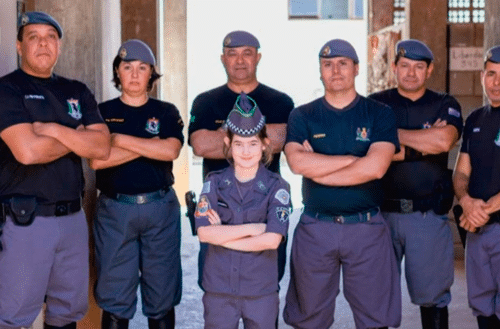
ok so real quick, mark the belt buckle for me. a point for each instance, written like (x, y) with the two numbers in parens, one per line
(141, 199)
(340, 219)
(406, 206)
(62, 209)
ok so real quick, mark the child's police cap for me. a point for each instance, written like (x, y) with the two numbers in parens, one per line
(493, 55)
(136, 50)
(338, 48)
(414, 49)
(38, 17)
(245, 119)
(240, 39)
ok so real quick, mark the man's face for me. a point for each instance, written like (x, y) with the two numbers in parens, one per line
(490, 78)
(241, 64)
(411, 74)
(39, 49)
(338, 73)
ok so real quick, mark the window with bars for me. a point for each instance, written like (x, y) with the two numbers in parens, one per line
(326, 9)
(399, 12)
(466, 11)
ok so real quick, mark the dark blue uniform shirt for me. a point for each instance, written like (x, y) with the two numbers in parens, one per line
(350, 131)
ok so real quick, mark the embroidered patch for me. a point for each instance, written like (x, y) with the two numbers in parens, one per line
(153, 126)
(326, 51)
(283, 196)
(202, 207)
(426, 125)
(74, 108)
(123, 53)
(362, 134)
(452, 111)
(319, 135)
(497, 140)
(282, 214)
(476, 130)
(227, 41)
(227, 181)
(192, 119)
(261, 186)
(206, 188)
(34, 97)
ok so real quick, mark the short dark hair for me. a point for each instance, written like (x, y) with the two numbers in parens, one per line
(398, 56)
(267, 153)
(116, 80)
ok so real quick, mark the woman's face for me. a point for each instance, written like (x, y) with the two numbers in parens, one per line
(134, 77)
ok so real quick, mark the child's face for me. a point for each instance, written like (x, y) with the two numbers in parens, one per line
(246, 151)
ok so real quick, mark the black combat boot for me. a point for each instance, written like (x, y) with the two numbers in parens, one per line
(167, 322)
(111, 321)
(488, 322)
(71, 325)
(434, 317)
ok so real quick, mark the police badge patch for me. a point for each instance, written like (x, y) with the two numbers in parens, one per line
(206, 188)
(362, 134)
(74, 109)
(283, 196)
(282, 214)
(202, 206)
(153, 126)
(497, 140)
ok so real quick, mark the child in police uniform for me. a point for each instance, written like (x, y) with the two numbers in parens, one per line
(243, 216)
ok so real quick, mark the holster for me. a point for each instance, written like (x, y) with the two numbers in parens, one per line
(191, 208)
(22, 209)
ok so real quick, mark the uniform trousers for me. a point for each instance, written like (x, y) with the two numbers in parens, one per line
(47, 259)
(483, 270)
(225, 311)
(426, 243)
(320, 249)
(138, 244)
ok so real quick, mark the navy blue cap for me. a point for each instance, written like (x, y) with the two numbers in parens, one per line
(136, 50)
(240, 39)
(493, 55)
(38, 17)
(245, 119)
(414, 49)
(338, 48)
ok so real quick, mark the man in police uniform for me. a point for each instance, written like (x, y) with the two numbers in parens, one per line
(342, 144)
(240, 58)
(477, 187)
(48, 124)
(418, 188)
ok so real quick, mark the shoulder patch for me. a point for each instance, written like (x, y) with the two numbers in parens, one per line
(453, 112)
(206, 188)
(202, 206)
(283, 214)
(283, 196)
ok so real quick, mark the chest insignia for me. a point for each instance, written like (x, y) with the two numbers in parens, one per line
(192, 119)
(40, 97)
(452, 111)
(319, 135)
(282, 213)
(153, 126)
(497, 140)
(363, 134)
(261, 185)
(202, 207)
(121, 120)
(206, 188)
(219, 122)
(426, 125)
(227, 182)
(282, 196)
(74, 109)
(476, 130)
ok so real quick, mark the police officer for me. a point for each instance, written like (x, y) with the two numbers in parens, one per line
(418, 187)
(243, 216)
(48, 124)
(342, 144)
(137, 230)
(240, 57)
(477, 187)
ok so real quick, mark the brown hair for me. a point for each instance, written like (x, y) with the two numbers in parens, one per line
(267, 154)
(116, 80)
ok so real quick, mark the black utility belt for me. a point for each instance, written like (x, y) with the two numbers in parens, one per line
(361, 217)
(407, 206)
(139, 198)
(23, 209)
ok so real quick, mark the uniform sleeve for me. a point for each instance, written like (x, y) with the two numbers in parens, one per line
(384, 126)
(296, 130)
(173, 125)
(452, 113)
(207, 200)
(278, 212)
(464, 148)
(280, 110)
(89, 108)
(12, 110)
(201, 115)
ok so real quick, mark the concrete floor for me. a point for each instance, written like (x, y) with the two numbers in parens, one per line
(190, 311)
